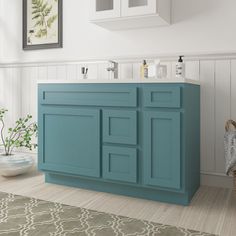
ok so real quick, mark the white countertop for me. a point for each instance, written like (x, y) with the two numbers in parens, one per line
(118, 81)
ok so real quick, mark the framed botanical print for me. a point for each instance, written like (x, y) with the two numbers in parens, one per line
(42, 24)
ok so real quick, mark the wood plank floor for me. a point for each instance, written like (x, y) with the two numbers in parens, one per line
(212, 210)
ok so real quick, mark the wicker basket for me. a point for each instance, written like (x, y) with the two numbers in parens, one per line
(235, 180)
(231, 124)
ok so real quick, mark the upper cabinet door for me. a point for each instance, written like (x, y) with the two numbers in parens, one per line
(105, 9)
(138, 7)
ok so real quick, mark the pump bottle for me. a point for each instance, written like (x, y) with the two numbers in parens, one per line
(180, 68)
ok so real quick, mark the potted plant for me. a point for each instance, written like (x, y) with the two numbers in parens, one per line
(12, 164)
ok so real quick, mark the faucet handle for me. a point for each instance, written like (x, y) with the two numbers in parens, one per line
(114, 64)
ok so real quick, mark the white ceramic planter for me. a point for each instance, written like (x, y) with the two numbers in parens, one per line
(16, 164)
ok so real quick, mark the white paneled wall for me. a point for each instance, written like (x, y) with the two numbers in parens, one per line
(18, 93)
(207, 77)
(222, 108)
(10, 93)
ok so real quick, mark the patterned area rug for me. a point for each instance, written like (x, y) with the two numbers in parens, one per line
(32, 217)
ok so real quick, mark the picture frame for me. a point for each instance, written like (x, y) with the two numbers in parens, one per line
(42, 24)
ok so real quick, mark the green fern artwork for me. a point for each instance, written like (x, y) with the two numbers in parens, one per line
(44, 19)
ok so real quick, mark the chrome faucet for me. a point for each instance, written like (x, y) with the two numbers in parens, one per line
(113, 68)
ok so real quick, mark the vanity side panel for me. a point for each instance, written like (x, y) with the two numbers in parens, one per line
(191, 102)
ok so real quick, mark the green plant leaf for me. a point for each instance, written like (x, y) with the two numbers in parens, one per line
(41, 33)
(36, 16)
(20, 135)
(47, 10)
(51, 20)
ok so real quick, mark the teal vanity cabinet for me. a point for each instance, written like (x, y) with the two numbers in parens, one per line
(135, 139)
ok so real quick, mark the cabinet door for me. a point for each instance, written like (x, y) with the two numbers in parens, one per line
(103, 9)
(69, 140)
(162, 149)
(138, 7)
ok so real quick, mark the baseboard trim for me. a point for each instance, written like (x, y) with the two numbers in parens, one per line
(216, 180)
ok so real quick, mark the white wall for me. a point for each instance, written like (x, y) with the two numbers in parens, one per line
(198, 26)
(1, 27)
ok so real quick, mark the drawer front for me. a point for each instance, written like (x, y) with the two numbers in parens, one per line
(120, 163)
(120, 126)
(168, 97)
(88, 95)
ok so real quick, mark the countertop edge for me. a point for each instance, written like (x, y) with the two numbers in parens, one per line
(119, 81)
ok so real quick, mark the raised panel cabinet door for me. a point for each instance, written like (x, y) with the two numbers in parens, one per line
(104, 9)
(162, 140)
(69, 140)
(138, 7)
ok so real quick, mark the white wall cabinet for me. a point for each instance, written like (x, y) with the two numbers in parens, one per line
(130, 14)
(105, 9)
(138, 7)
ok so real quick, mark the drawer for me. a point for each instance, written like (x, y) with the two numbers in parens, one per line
(88, 95)
(120, 163)
(120, 126)
(168, 97)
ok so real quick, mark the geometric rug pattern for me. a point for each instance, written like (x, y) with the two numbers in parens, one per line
(23, 216)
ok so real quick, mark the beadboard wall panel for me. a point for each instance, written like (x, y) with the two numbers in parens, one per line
(233, 89)
(52, 73)
(10, 93)
(192, 70)
(207, 80)
(222, 109)
(71, 72)
(18, 93)
(42, 72)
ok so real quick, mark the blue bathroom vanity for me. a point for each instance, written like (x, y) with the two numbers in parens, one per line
(139, 139)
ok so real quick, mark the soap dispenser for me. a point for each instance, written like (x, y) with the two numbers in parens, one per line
(180, 68)
(144, 70)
